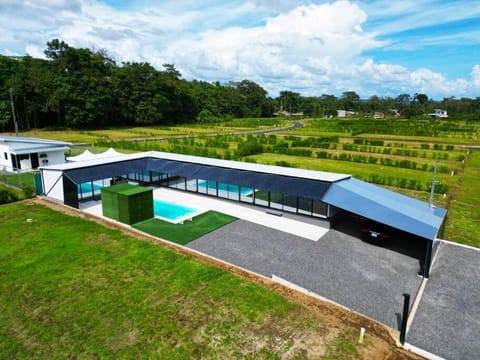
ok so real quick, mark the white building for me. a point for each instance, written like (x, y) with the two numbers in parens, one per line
(345, 113)
(439, 113)
(24, 153)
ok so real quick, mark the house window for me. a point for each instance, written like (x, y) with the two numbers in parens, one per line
(42, 155)
(23, 157)
(6, 156)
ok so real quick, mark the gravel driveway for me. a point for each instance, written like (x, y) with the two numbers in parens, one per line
(447, 322)
(363, 277)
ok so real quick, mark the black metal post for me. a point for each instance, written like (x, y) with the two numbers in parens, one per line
(428, 259)
(406, 307)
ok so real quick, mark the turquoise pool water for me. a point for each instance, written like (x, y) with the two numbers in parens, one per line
(86, 188)
(225, 187)
(171, 211)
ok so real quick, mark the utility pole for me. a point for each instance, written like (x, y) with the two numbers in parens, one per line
(13, 113)
(433, 184)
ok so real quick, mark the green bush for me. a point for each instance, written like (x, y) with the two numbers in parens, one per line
(7, 195)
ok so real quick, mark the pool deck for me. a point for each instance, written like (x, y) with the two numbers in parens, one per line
(302, 226)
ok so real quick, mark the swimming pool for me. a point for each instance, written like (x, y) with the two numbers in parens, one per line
(203, 184)
(173, 212)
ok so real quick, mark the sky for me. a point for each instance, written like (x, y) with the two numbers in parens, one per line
(372, 47)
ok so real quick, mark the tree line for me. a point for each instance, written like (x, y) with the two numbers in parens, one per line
(80, 87)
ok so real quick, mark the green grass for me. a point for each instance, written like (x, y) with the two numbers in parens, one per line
(129, 133)
(188, 231)
(463, 219)
(362, 171)
(70, 288)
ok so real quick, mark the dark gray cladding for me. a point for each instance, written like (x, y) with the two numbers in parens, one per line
(287, 185)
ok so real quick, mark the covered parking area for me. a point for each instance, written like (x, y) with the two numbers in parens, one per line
(412, 226)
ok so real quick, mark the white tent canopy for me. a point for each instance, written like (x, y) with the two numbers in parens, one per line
(108, 153)
(87, 155)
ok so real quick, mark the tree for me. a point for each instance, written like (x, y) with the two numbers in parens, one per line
(290, 101)
(255, 99)
(5, 114)
(422, 99)
(350, 100)
(82, 78)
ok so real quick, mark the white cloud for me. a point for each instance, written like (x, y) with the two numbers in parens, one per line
(397, 16)
(476, 75)
(281, 44)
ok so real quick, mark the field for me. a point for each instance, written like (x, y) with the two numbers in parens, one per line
(77, 289)
(396, 153)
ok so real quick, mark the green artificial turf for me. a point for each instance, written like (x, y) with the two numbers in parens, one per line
(188, 231)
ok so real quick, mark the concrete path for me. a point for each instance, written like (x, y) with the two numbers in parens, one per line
(447, 322)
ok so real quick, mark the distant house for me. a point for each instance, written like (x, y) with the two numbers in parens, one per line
(395, 113)
(439, 113)
(19, 153)
(378, 115)
(344, 113)
(300, 113)
(281, 112)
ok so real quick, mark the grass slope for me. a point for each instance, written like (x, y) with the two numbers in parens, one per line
(71, 288)
(188, 231)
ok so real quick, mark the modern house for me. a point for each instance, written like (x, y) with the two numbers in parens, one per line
(338, 198)
(24, 153)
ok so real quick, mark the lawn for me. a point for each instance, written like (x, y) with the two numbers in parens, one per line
(71, 288)
(463, 219)
(188, 231)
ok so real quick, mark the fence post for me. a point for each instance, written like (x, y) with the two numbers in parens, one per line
(406, 306)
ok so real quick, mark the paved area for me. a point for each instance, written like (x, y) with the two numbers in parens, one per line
(339, 267)
(447, 322)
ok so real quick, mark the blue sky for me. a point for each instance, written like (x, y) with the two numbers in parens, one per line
(380, 47)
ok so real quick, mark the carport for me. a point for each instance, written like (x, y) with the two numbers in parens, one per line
(417, 221)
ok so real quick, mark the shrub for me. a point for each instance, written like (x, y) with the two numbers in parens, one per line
(7, 195)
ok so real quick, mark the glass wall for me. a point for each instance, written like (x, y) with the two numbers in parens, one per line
(261, 197)
(234, 192)
(305, 206)
(192, 185)
(276, 200)
(246, 194)
(212, 188)
(92, 190)
(290, 203)
(223, 190)
(202, 186)
(320, 209)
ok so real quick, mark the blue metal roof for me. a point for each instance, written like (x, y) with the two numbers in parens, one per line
(385, 206)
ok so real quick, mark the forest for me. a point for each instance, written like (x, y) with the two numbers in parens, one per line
(84, 88)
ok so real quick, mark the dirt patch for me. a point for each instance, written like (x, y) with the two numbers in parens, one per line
(380, 341)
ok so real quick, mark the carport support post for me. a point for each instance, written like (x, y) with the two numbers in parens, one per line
(406, 307)
(428, 259)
